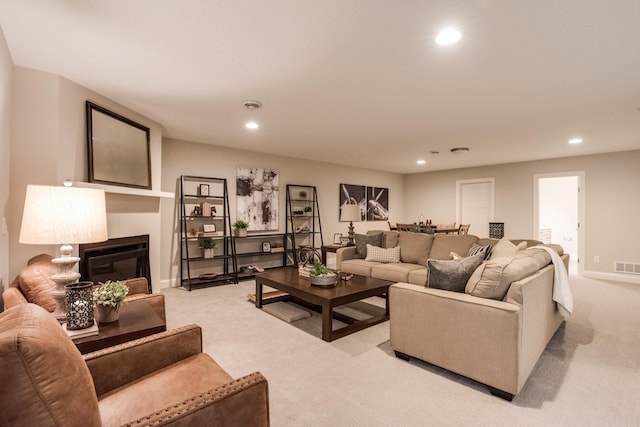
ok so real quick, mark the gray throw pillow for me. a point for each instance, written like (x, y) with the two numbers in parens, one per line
(361, 243)
(451, 275)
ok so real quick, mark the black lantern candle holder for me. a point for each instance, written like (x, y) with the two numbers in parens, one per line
(78, 297)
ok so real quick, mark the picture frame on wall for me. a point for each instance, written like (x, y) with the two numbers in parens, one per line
(377, 204)
(118, 149)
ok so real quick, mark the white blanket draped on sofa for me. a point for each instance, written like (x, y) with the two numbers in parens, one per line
(561, 290)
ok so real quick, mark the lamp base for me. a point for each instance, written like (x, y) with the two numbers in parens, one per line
(63, 277)
(351, 234)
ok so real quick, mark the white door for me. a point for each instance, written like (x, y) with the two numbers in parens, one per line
(475, 204)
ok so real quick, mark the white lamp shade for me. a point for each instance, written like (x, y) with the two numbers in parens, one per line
(350, 213)
(63, 215)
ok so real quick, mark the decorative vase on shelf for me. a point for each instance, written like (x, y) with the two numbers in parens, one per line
(107, 313)
(207, 253)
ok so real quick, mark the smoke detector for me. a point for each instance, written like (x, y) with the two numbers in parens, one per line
(252, 105)
(460, 150)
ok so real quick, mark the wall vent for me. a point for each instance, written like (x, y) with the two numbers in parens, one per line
(626, 267)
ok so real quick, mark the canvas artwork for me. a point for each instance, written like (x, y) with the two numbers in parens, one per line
(354, 194)
(257, 191)
(377, 204)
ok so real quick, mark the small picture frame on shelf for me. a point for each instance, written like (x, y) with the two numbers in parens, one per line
(337, 238)
(209, 228)
(344, 241)
(266, 247)
(203, 190)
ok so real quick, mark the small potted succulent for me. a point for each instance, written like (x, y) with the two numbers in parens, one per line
(108, 298)
(308, 210)
(240, 227)
(320, 275)
(207, 245)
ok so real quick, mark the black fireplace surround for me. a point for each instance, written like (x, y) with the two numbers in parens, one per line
(116, 259)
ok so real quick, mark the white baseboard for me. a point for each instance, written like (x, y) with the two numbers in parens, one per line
(627, 278)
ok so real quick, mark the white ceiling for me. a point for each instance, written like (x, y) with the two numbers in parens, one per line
(355, 82)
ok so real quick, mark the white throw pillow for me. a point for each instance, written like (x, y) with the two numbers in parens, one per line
(377, 254)
(504, 248)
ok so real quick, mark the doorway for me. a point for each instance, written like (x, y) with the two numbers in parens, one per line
(558, 212)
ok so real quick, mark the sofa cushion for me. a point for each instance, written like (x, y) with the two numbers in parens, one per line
(35, 281)
(444, 244)
(505, 248)
(418, 276)
(383, 255)
(493, 278)
(390, 239)
(362, 240)
(357, 266)
(395, 272)
(451, 275)
(414, 247)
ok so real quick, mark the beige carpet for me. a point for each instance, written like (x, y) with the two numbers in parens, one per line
(588, 376)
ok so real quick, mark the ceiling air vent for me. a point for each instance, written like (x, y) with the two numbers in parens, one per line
(626, 267)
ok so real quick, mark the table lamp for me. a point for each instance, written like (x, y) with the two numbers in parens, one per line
(351, 213)
(63, 215)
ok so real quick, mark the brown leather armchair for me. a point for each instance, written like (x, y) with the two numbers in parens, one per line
(34, 285)
(163, 379)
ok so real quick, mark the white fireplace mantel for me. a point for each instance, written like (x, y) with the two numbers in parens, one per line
(125, 190)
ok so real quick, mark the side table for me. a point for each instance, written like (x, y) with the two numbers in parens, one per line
(137, 320)
(328, 248)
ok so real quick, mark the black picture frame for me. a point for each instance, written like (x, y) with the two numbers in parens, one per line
(266, 247)
(203, 190)
(118, 149)
(337, 238)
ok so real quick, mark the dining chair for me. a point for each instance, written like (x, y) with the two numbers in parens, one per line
(408, 227)
(464, 228)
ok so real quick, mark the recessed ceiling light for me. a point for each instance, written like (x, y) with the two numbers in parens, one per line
(575, 140)
(251, 125)
(448, 36)
(421, 162)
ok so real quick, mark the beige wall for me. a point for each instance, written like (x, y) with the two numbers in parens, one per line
(6, 71)
(611, 190)
(189, 158)
(48, 145)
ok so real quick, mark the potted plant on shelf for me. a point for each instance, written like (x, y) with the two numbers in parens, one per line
(207, 245)
(240, 227)
(108, 298)
(320, 275)
(308, 210)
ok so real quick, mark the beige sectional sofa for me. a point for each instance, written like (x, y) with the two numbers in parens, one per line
(493, 331)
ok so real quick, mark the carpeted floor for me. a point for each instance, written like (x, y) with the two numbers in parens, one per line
(588, 376)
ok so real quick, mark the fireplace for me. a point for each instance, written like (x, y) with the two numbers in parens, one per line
(116, 259)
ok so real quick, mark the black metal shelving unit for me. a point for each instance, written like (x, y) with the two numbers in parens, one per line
(304, 228)
(204, 205)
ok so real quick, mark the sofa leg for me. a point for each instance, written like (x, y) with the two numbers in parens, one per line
(501, 394)
(402, 355)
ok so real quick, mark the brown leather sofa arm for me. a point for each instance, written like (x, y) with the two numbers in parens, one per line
(242, 402)
(121, 364)
(12, 296)
(156, 301)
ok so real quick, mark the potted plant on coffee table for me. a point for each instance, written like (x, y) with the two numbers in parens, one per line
(320, 275)
(108, 298)
(240, 227)
(207, 245)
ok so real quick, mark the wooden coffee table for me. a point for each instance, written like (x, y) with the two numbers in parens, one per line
(137, 320)
(358, 288)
